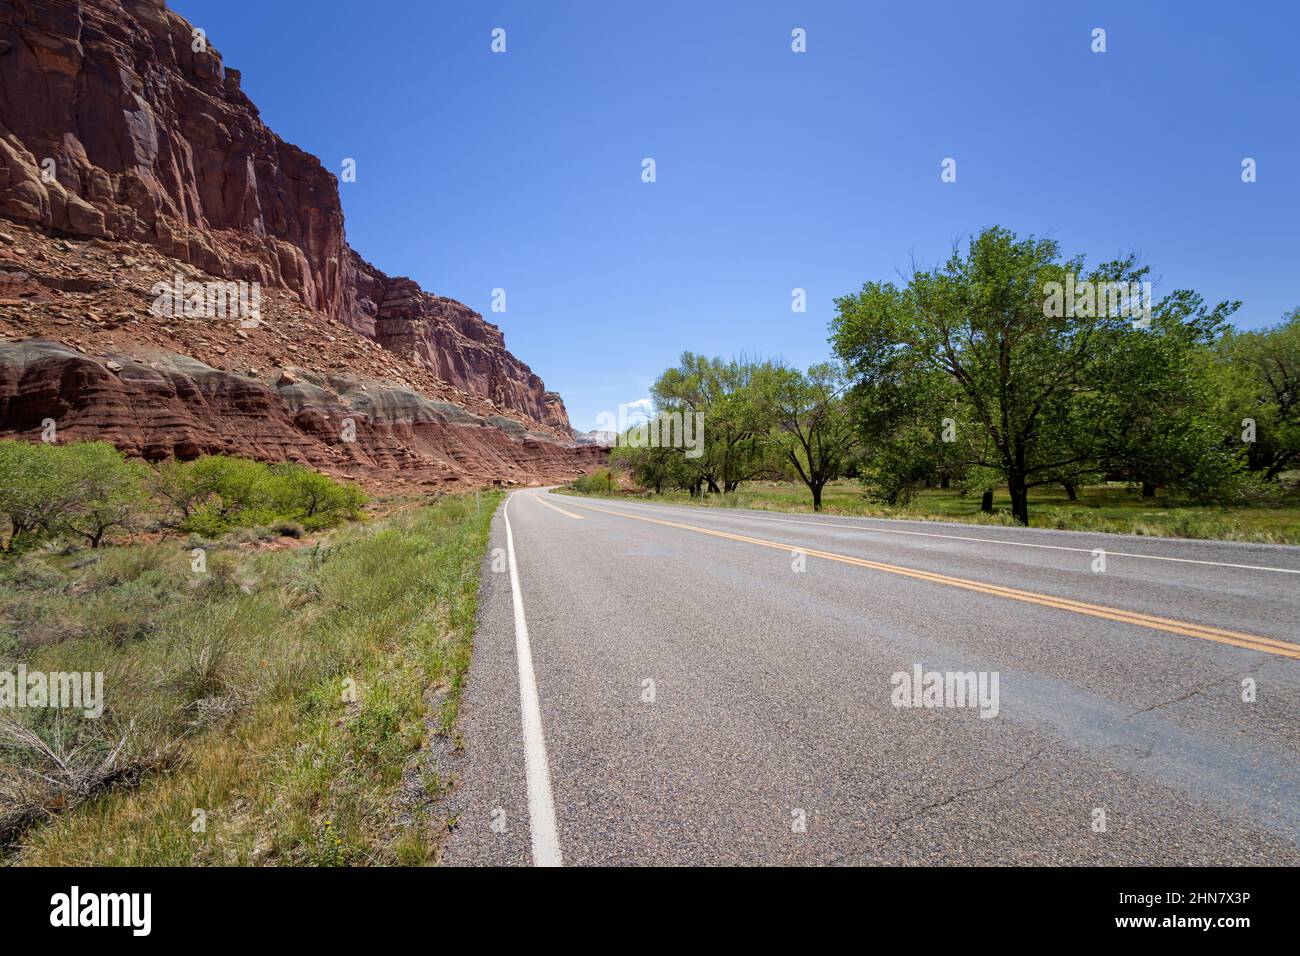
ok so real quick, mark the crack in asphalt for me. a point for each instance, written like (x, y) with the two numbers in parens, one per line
(1178, 700)
(993, 785)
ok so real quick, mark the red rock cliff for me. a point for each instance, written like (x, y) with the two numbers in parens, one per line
(112, 125)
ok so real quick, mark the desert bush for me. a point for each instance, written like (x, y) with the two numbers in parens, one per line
(31, 492)
(54, 496)
(600, 481)
(222, 493)
(84, 490)
(315, 499)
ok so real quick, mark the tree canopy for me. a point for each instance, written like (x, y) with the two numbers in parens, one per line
(1009, 365)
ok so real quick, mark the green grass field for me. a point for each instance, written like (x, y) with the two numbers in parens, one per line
(281, 707)
(1113, 508)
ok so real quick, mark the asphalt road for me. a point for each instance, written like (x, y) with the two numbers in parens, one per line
(701, 700)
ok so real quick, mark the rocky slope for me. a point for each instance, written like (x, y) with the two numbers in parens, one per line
(129, 156)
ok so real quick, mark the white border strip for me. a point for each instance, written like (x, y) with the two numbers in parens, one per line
(541, 808)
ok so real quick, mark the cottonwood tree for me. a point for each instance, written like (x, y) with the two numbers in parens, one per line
(1016, 366)
(911, 429)
(308, 494)
(178, 487)
(657, 467)
(84, 488)
(813, 427)
(735, 426)
(1152, 413)
(1258, 375)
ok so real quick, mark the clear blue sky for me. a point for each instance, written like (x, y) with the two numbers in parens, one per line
(775, 170)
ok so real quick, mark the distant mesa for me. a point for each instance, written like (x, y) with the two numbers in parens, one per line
(601, 439)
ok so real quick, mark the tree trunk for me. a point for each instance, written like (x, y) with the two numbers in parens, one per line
(1279, 465)
(1071, 491)
(943, 481)
(1019, 500)
(986, 502)
(713, 486)
(817, 497)
(1148, 489)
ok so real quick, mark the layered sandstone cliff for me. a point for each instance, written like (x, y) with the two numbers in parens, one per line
(161, 404)
(129, 156)
(119, 123)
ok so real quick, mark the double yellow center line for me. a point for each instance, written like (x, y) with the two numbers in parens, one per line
(1205, 632)
(567, 514)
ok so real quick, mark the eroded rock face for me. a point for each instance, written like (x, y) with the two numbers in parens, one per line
(170, 405)
(113, 125)
(452, 341)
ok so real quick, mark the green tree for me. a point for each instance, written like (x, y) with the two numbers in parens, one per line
(657, 467)
(179, 490)
(234, 492)
(908, 426)
(985, 323)
(1151, 409)
(813, 427)
(1258, 376)
(34, 491)
(311, 497)
(735, 422)
(107, 490)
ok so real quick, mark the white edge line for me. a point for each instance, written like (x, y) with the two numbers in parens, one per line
(961, 537)
(541, 808)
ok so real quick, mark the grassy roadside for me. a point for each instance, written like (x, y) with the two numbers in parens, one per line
(231, 728)
(1113, 508)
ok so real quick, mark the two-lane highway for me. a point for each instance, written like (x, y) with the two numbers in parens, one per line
(666, 685)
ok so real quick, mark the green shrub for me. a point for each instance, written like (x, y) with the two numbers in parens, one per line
(85, 490)
(51, 495)
(226, 493)
(600, 481)
(302, 493)
(31, 492)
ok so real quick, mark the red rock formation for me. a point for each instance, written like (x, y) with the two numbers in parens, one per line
(172, 405)
(142, 137)
(453, 342)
